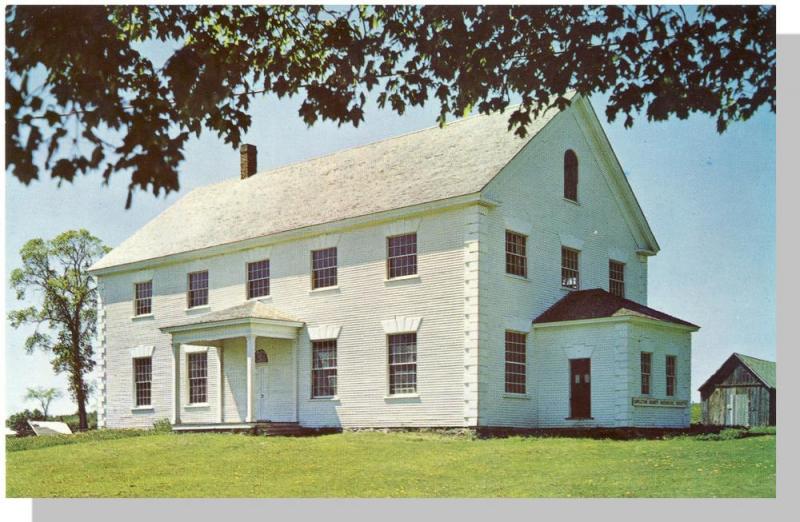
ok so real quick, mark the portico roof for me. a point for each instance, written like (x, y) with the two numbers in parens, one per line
(249, 312)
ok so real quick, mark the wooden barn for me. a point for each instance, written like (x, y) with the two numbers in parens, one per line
(740, 393)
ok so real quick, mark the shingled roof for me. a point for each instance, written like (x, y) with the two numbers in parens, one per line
(248, 310)
(420, 167)
(598, 303)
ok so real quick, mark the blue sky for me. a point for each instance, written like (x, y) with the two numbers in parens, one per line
(709, 198)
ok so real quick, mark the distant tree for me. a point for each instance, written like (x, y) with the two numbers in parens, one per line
(19, 421)
(44, 395)
(78, 71)
(57, 272)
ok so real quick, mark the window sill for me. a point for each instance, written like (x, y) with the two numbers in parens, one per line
(523, 396)
(578, 418)
(324, 289)
(572, 201)
(517, 277)
(196, 405)
(568, 289)
(411, 277)
(402, 397)
(332, 398)
(142, 317)
(201, 308)
(142, 409)
(260, 298)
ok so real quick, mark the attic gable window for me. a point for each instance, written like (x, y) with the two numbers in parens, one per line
(571, 175)
(570, 276)
(258, 279)
(516, 257)
(143, 298)
(616, 278)
(323, 268)
(401, 257)
(198, 289)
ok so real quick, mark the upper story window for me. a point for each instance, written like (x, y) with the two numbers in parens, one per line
(516, 257)
(142, 378)
(515, 362)
(323, 368)
(402, 363)
(198, 289)
(571, 175)
(198, 377)
(143, 298)
(258, 279)
(646, 360)
(570, 276)
(323, 268)
(401, 257)
(616, 278)
(671, 375)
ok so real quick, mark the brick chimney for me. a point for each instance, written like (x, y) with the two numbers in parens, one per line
(248, 160)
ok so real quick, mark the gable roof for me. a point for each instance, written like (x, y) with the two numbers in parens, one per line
(598, 303)
(420, 167)
(762, 369)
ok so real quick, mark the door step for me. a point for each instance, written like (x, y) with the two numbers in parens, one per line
(280, 428)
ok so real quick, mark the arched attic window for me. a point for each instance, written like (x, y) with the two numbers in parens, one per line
(570, 175)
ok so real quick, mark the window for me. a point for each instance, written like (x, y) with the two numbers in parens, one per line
(258, 279)
(646, 359)
(142, 378)
(516, 259)
(569, 268)
(671, 362)
(402, 255)
(616, 278)
(323, 268)
(198, 377)
(143, 298)
(198, 289)
(570, 176)
(515, 362)
(402, 363)
(323, 368)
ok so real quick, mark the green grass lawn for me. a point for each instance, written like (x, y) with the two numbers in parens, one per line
(391, 465)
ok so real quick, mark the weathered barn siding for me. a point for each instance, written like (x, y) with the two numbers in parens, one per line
(734, 396)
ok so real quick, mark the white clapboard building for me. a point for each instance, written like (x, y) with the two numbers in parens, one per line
(451, 277)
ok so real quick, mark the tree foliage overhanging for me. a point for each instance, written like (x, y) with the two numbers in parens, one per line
(716, 60)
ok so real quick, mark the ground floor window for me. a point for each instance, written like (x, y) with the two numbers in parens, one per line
(403, 363)
(142, 377)
(646, 360)
(671, 362)
(198, 377)
(323, 371)
(515, 362)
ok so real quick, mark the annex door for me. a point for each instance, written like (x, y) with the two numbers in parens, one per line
(580, 393)
(737, 407)
(260, 392)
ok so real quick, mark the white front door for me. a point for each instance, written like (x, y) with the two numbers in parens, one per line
(261, 392)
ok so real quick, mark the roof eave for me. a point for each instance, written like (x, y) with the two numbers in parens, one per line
(618, 319)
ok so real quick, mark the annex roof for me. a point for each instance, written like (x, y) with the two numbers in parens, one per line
(598, 303)
(420, 167)
(762, 369)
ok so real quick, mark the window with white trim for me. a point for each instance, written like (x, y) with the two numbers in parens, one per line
(142, 379)
(616, 278)
(571, 175)
(198, 377)
(570, 277)
(516, 256)
(323, 368)
(401, 256)
(143, 298)
(258, 279)
(402, 363)
(671, 363)
(323, 268)
(646, 360)
(515, 362)
(197, 294)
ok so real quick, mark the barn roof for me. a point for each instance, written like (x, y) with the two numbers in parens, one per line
(598, 303)
(415, 168)
(763, 370)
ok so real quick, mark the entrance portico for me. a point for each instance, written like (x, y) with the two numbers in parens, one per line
(260, 329)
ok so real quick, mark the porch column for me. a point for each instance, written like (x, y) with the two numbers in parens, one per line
(251, 353)
(176, 380)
